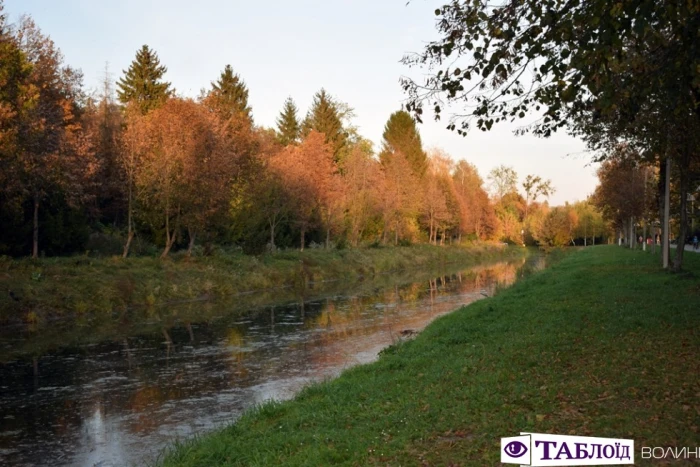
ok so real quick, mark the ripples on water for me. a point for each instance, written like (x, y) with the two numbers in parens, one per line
(119, 401)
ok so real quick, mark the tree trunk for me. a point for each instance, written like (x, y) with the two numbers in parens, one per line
(35, 233)
(302, 239)
(130, 234)
(170, 238)
(683, 231)
(631, 235)
(192, 234)
(667, 214)
(328, 238)
(272, 235)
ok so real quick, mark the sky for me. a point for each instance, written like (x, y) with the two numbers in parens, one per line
(284, 48)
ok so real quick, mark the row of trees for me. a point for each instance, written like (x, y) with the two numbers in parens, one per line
(624, 76)
(141, 162)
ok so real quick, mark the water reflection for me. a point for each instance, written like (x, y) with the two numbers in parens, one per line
(120, 401)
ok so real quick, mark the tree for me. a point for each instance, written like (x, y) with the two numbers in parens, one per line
(558, 227)
(103, 121)
(143, 82)
(324, 117)
(229, 96)
(288, 126)
(626, 72)
(524, 55)
(184, 175)
(401, 135)
(620, 193)
(16, 98)
(590, 222)
(534, 187)
(309, 173)
(503, 180)
(130, 157)
(399, 200)
(360, 185)
(439, 206)
(52, 152)
(477, 216)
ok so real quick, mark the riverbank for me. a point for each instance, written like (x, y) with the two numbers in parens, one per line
(602, 344)
(36, 291)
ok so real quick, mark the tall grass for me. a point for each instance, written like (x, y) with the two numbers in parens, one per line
(39, 290)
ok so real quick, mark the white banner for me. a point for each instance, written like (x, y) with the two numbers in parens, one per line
(539, 449)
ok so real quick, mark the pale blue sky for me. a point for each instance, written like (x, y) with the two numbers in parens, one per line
(293, 48)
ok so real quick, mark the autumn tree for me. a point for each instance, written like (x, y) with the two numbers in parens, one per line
(399, 200)
(477, 216)
(184, 176)
(439, 206)
(557, 227)
(52, 152)
(360, 186)
(143, 83)
(15, 99)
(620, 192)
(401, 135)
(310, 179)
(288, 126)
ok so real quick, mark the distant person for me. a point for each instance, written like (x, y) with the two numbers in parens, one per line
(695, 242)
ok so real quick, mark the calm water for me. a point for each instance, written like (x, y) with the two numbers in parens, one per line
(67, 400)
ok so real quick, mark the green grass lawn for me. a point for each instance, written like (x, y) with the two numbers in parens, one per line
(602, 344)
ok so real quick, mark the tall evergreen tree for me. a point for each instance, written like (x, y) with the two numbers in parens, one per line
(288, 126)
(143, 82)
(401, 135)
(324, 117)
(229, 95)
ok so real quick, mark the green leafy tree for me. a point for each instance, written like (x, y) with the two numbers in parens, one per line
(401, 135)
(609, 72)
(229, 95)
(325, 117)
(288, 126)
(143, 82)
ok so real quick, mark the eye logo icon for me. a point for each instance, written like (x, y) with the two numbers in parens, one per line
(515, 449)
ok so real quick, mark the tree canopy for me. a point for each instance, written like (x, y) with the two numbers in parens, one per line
(143, 83)
(401, 135)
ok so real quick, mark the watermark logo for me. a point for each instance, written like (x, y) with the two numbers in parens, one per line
(559, 450)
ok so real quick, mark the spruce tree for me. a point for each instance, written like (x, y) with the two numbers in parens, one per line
(229, 95)
(401, 135)
(324, 117)
(288, 126)
(143, 82)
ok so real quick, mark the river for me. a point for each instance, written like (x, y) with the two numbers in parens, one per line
(118, 391)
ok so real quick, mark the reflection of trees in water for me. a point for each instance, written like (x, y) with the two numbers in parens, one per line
(343, 328)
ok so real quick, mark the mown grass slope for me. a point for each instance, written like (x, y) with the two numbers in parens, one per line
(603, 343)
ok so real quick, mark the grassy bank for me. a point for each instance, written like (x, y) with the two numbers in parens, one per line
(38, 290)
(601, 344)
